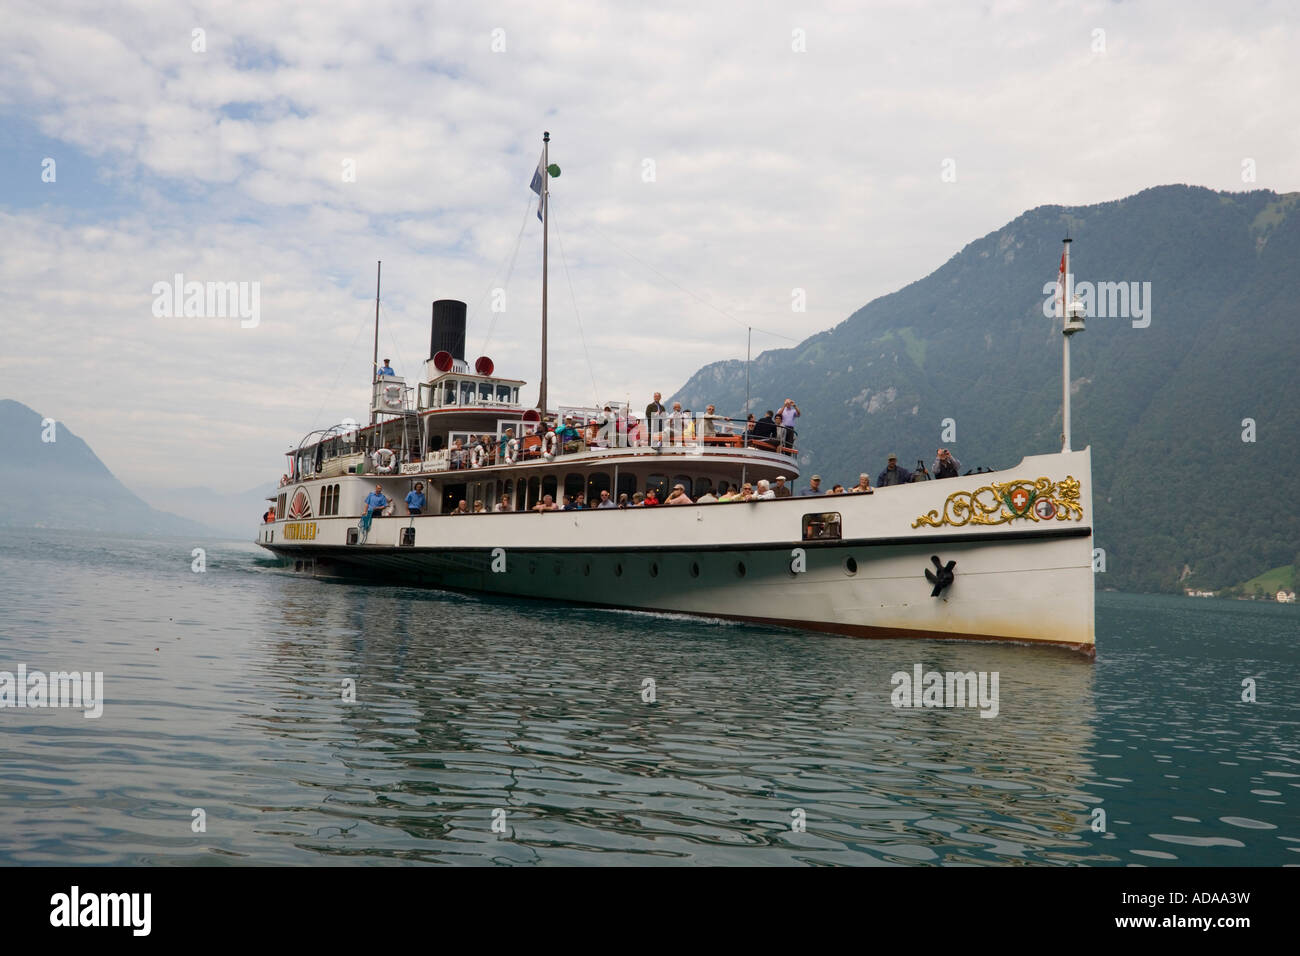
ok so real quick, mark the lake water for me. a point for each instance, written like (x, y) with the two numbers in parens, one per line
(488, 731)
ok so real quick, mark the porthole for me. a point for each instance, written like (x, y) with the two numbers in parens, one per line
(740, 569)
(695, 569)
(654, 569)
(850, 565)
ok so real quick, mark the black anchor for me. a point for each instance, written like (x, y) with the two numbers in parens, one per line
(941, 576)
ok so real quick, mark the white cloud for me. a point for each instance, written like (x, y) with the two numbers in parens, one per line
(774, 170)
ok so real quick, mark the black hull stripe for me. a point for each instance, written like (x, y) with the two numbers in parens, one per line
(933, 540)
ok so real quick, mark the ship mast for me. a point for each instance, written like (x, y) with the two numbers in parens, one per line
(1072, 322)
(545, 207)
(374, 363)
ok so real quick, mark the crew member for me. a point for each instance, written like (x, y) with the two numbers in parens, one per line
(415, 500)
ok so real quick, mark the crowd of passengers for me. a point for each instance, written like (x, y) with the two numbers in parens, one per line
(943, 466)
(660, 426)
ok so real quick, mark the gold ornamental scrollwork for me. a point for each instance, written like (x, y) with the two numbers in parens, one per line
(1004, 502)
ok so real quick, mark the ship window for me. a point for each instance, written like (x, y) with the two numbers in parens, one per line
(703, 486)
(485, 391)
(467, 393)
(503, 394)
(573, 486)
(279, 506)
(534, 491)
(549, 484)
(657, 482)
(324, 500)
(818, 527)
(597, 482)
(723, 488)
(449, 396)
(626, 485)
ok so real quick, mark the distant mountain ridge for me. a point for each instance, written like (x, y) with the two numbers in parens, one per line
(1180, 498)
(63, 484)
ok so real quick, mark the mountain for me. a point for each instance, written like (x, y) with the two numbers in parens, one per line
(1183, 489)
(62, 484)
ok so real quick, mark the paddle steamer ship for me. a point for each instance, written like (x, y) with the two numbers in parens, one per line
(1004, 555)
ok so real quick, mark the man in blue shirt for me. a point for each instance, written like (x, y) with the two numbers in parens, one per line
(415, 500)
(387, 369)
(376, 502)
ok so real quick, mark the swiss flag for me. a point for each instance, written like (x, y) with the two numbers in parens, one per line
(1060, 283)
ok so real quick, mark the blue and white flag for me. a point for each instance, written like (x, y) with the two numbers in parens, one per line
(539, 180)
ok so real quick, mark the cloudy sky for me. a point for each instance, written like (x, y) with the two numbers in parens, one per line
(715, 157)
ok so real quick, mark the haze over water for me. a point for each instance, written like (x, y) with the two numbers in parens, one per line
(225, 693)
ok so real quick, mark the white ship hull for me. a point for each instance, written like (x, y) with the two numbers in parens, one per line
(1020, 573)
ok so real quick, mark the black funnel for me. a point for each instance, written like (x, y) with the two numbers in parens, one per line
(448, 328)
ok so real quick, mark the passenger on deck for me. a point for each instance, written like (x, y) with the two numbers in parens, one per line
(814, 487)
(546, 504)
(863, 487)
(675, 425)
(479, 508)
(893, 475)
(387, 369)
(458, 454)
(376, 502)
(655, 410)
(944, 465)
(606, 501)
(269, 516)
(652, 498)
(569, 437)
(785, 418)
(764, 491)
(570, 504)
(708, 428)
(504, 442)
(623, 502)
(765, 428)
(503, 506)
(708, 498)
(782, 490)
(462, 508)
(638, 500)
(415, 500)
(679, 496)
(746, 492)
(837, 489)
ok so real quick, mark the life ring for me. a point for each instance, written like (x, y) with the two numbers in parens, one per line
(477, 456)
(549, 441)
(393, 395)
(512, 451)
(385, 461)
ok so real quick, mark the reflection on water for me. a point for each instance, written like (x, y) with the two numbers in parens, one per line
(495, 731)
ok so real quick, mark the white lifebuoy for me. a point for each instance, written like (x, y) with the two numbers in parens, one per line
(385, 459)
(477, 456)
(512, 451)
(549, 441)
(393, 395)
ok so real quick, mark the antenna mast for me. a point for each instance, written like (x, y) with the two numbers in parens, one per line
(374, 362)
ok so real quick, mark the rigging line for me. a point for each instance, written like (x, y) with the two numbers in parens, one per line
(339, 374)
(509, 266)
(595, 392)
(743, 325)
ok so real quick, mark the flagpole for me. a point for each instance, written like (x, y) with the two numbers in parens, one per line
(1065, 352)
(374, 365)
(546, 215)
